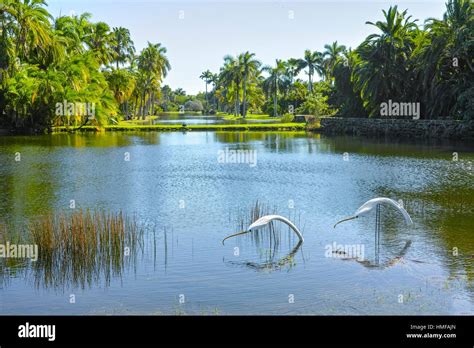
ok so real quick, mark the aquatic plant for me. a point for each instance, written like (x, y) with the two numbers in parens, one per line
(80, 247)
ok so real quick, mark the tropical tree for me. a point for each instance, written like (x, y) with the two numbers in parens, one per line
(231, 76)
(331, 56)
(384, 69)
(250, 68)
(215, 82)
(153, 66)
(85, 83)
(445, 62)
(31, 28)
(100, 39)
(273, 81)
(313, 61)
(7, 48)
(207, 77)
(122, 45)
(73, 31)
(255, 95)
(180, 92)
(122, 84)
(347, 96)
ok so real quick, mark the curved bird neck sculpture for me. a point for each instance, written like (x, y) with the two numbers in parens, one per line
(373, 203)
(264, 221)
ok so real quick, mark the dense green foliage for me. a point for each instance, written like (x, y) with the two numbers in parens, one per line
(54, 69)
(46, 63)
(431, 65)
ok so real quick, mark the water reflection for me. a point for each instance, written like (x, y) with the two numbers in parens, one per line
(376, 264)
(271, 262)
(190, 119)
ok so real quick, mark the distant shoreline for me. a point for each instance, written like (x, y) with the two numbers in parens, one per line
(197, 127)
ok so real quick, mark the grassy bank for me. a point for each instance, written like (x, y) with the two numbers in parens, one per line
(196, 113)
(230, 117)
(197, 127)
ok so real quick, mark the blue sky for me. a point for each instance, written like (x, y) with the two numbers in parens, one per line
(198, 34)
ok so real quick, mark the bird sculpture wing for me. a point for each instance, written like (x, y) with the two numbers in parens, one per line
(264, 221)
(371, 204)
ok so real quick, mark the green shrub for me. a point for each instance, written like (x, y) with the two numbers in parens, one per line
(286, 118)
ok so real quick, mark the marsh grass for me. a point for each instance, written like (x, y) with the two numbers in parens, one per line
(80, 248)
(10, 267)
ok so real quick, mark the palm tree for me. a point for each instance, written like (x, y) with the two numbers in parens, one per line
(7, 50)
(292, 69)
(314, 62)
(331, 56)
(347, 97)
(231, 76)
(250, 67)
(31, 28)
(65, 27)
(446, 85)
(122, 46)
(73, 30)
(153, 66)
(99, 39)
(180, 92)
(207, 77)
(271, 84)
(215, 82)
(383, 71)
(122, 83)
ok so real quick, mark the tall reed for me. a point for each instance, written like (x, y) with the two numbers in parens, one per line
(81, 247)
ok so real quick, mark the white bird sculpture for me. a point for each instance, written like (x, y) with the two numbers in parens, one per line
(374, 203)
(264, 221)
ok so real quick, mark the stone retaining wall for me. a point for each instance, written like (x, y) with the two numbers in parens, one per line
(398, 128)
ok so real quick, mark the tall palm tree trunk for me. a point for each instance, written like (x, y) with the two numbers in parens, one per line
(275, 100)
(244, 97)
(207, 98)
(142, 105)
(135, 107)
(236, 104)
(153, 103)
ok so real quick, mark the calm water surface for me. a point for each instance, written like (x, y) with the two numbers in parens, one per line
(189, 201)
(203, 119)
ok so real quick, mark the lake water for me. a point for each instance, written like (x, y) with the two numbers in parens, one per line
(203, 119)
(189, 201)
